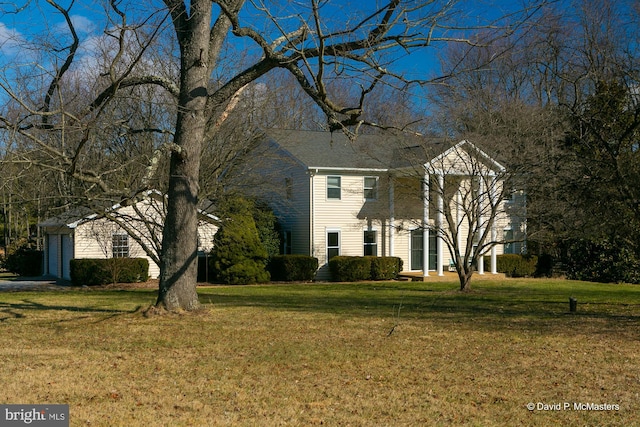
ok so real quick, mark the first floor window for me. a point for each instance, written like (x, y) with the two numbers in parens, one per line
(286, 243)
(370, 243)
(120, 245)
(508, 239)
(333, 244)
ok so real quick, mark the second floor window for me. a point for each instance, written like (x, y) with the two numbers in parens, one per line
(333, 187)
(370, 187)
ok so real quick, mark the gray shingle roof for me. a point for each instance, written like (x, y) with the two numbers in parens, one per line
(67, 218)
(334, 150)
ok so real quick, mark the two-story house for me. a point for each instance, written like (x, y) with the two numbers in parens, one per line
(334, 196)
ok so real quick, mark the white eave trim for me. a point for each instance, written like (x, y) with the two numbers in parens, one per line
(332, 169)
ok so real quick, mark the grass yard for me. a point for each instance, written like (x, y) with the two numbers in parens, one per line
(390, 354)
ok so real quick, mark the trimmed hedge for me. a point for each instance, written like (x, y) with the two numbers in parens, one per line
(293, 268)
(358, 268)
(385, 268)
(514, 265)
(93, 272)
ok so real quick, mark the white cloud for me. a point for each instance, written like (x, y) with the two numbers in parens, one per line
(83, 24)
(10, 40)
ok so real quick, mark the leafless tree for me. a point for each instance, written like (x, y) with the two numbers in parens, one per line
(463, 202)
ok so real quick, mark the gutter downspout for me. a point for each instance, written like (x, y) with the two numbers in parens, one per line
(312, 217)
(392, 216)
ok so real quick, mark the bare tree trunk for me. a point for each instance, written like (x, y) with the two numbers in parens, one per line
(178, 266)
(465, 280)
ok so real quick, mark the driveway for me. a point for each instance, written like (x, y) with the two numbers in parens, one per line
(26, 283)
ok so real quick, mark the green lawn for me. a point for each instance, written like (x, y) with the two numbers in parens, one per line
(401, 353)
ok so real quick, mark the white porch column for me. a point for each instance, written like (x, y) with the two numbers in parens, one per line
(425, 225)
(459, 221)
(494, 231)
(440, 222)
(392, 216)
(480, 228)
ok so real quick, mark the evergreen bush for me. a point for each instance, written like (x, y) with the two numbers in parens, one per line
(293, 268)
(385, 268)
(603, 261)
(357, 268)
(514, 265)
(238, 256)
(25, 261)
(350, 268)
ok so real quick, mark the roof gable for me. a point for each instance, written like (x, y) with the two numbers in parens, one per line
(463, 158)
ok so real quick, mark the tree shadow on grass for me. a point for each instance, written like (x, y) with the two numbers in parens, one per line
(529, 310)
(19, 310)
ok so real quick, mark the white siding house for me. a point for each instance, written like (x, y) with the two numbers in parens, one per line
(334, 196)
(120, 231)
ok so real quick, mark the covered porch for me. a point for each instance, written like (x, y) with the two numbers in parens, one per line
(453, 212)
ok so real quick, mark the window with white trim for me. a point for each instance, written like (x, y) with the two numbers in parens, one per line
(370, 243)
(333, 244)
(370, 187)
(334, 187)
(120, 245)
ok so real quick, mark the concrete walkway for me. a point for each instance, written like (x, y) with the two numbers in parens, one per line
(448, 276)
(27, 283)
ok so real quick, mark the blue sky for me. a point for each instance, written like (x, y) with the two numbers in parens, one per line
(88, 16)
(90, 22)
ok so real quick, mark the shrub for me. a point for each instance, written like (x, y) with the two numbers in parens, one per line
(350, 268)
(238, 256)
(514, 265)
(24, 261)
(545, 266)
(385, 268)
(602, 261)
(93, 272)
(289, 268)
(355, 268)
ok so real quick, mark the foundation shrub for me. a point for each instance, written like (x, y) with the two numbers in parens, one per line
(514, 265)
(385, 268)
(95, 272)
(293, 268)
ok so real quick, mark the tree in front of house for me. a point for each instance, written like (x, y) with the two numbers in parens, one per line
(238, 256)
(465, 188)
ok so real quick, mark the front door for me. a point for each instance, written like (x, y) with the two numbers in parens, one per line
(417, 250)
